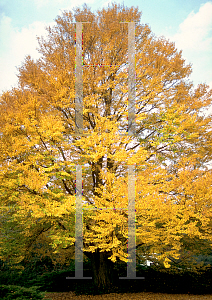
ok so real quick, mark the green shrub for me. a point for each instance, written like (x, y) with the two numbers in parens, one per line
(53, 281)
(15, 292)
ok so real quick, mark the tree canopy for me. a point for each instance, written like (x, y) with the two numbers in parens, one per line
(171, 149)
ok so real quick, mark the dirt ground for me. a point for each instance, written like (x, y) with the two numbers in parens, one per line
(127, 296)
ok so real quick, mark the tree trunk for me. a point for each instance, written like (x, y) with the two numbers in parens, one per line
(104, 274)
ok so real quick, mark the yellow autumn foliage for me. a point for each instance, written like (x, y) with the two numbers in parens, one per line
(39, 150)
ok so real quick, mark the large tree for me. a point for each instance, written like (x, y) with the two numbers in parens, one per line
(171, 148)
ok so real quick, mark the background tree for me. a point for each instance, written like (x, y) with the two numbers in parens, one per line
(39, 151)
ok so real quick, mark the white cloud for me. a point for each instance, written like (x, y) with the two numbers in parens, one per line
(105, 4)
(42, 3)
(195, 31)
(63, 4)
(194, 37)
(16, 45)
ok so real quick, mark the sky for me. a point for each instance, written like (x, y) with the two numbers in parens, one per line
(188, 23)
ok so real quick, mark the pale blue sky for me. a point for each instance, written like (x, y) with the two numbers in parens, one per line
(188, 23)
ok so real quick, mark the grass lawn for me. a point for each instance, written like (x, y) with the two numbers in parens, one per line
(127, 296)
